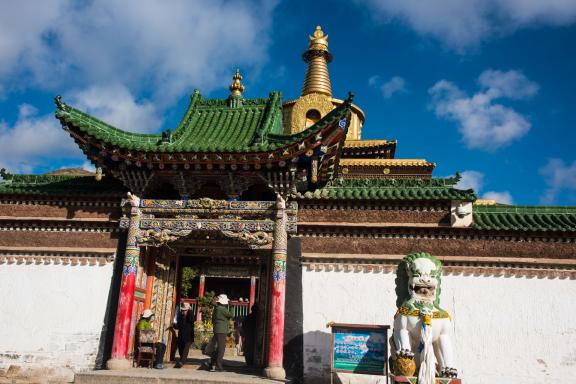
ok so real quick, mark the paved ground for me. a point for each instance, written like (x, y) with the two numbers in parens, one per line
(235, 372)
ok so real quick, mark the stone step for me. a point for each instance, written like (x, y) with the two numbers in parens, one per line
(188, 374)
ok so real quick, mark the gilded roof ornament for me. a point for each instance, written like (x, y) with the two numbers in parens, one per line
(317, 57)
(319, 41)
(236, 88)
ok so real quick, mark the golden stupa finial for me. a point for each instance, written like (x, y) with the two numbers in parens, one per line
(317, 57)
(236, 88)
(318, 42)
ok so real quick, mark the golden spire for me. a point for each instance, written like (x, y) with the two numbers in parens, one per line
(317, 56)
(236, 88)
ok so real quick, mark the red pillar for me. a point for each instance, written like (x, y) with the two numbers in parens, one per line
(275, 370)
(252, 292)
(126, 299)
(200, 294)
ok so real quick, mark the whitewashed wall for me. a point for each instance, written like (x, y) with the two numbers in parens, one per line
(51, 316)
(507, 329)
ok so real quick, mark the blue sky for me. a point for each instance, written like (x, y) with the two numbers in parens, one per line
(483, 87)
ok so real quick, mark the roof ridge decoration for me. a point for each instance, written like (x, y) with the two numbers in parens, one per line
(392, 189)
(61, 185)
(397, 183)
(236, 88)
(525, 218)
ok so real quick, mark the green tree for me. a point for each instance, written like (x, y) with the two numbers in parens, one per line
(188, 275)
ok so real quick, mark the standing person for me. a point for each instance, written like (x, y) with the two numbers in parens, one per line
(250, 328)
(185, 326)
(220, 317)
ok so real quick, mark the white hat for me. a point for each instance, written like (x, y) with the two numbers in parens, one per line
(147, 313)
(185, 306)
(222, 299)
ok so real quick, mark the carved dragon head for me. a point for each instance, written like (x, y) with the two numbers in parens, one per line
(418, 278)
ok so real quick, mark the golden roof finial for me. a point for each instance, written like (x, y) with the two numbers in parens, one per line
(236, 88)
(317, 57)
(318, 42)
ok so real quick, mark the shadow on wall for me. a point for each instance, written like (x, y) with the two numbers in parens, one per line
(317, 360)
(107, 333)
(317, 357)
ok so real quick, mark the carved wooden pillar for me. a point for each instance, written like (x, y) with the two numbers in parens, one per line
(119, 358)
(201, 287)
(252, 292)
(150, 279)
(275, 370)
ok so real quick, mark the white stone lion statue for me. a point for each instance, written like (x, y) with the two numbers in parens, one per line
(422, 330)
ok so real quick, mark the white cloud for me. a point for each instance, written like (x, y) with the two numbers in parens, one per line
(463, 24)
(501, 197)
(32, 140)
(471, 180)
(115, 105)
(483, 122)
(170, 48)
(558, 176)
(512, 84)
(374, 80)
(475, 180)
(395, 85)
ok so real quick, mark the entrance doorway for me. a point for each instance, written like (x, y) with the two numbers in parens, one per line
(240, 277)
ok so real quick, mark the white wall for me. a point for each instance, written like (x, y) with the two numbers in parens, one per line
(52, 315)
(507, 329)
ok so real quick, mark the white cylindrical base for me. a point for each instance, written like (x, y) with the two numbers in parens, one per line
(118, 364)
(275, 373)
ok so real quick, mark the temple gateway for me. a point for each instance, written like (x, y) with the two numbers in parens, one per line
(281, 204)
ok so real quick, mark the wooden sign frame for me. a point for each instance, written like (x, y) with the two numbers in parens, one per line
(359, 327)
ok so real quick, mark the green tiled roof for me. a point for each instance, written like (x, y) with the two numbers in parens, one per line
(523, 218)
(209, 125)
(391, 189)
(59, 185)
(214, 125)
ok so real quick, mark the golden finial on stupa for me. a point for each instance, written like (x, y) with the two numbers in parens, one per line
(317, 57)
(236, 88)
(318, 42)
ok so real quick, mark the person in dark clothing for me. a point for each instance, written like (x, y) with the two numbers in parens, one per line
(250, 328)
(220, 318)
(185, 326)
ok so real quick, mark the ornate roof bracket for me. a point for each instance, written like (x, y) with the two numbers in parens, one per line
(250, 222)
(282, 183)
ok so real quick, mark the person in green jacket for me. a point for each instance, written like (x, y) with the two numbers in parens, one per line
(220, 317)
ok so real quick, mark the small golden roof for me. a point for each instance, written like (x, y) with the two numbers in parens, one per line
(318, 42)
(485, 202)
(236, 88)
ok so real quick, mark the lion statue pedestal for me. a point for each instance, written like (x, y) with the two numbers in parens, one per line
(421, 345)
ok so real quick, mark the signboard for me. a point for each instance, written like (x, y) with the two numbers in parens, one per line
(358, 348)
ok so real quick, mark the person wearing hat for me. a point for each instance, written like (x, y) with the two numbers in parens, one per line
(145, 323)
(220, 317)
(185, 326)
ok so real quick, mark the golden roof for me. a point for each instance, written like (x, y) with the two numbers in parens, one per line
(366, 143)
(386, 163)
(485, 202)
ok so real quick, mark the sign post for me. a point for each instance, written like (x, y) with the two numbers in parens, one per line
(359, 349)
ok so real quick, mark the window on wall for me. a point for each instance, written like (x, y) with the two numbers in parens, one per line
(312, 117)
